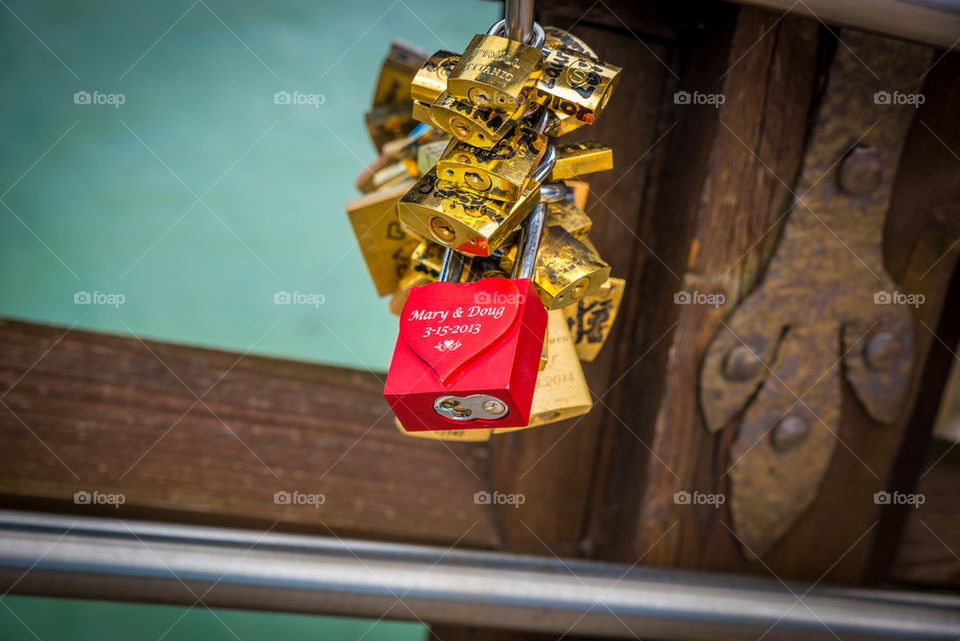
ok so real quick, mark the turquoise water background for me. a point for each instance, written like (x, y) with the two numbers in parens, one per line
(184, 210)
(198, 198)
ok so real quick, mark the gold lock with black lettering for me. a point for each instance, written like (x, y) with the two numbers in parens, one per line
(575, 85)
(561, 390)
(430, 79)
(477, 125)
(567, 215)
(383, 242)
(581, 158)
(496, 72)
(501, 172)
(567, 268)
(592, 317)
(466, 222)
(396, 74)
(556, 37)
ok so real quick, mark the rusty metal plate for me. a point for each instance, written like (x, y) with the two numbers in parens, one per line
(825, 304)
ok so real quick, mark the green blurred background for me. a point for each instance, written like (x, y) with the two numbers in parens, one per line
(197, 200)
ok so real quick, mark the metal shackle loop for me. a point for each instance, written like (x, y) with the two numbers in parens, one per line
(539, 36)
(451, 269)
(531, 232)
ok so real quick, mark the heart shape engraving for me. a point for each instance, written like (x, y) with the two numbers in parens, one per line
(449, 325)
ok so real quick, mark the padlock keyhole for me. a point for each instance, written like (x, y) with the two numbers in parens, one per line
(454, 407)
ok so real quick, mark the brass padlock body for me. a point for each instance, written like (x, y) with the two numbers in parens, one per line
(581, 158)
(430, 79)
(561, 390)
(383, 242)
(476, 125)
(566, 214)
(556, 37)
(591, 319)
(501, 172)
(567, 268)
(466, 222)
(575, 85)
(396, 74)
(497, 72)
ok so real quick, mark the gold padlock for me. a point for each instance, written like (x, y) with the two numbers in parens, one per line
(398, 70)
(496, 72)
(501, 172)
(580, 190)
(462, 436)
(567, 215)
(575, 85)
(430, 79)
(385, 245)
(567, 268)
(466, 222)
(580, 158)
(592, 317)
(477, 125)
(561, 390)
(389, 122)
(556, 37)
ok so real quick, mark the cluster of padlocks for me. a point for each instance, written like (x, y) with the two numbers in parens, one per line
(473, 222)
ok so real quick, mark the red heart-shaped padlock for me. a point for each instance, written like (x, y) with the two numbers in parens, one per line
(448, 325)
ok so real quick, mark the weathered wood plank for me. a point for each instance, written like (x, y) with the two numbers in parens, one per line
(86, 411)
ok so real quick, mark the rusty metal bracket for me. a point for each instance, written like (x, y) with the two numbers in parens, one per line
(825, 303)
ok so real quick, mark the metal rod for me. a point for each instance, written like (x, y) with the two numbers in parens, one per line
(934, 22)
(70, 556)
(519, 17)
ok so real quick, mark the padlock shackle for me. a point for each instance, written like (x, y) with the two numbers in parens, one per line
(546, 164)
(451, 269)
(539, 37)
(519, 17)
(531, 232)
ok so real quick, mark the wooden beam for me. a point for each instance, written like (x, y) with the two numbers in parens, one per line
(81, 411)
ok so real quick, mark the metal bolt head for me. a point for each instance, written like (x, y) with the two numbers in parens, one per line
(861, 171)
(882, 350)
(742, 363)
(494, 407)
(788, 432)
(442, 229)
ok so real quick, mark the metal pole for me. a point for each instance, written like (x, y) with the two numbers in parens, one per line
(87, 557)
(519, 17)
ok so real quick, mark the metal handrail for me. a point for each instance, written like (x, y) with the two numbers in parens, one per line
(71, 556)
